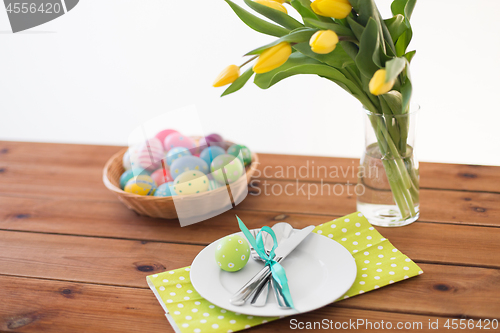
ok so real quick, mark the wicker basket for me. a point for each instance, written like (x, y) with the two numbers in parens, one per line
(189, 205)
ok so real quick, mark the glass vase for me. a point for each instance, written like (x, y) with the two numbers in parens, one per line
(388, 170)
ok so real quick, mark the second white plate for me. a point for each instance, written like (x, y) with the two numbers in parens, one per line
(319, 271)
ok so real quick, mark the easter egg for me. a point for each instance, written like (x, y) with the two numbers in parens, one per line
(165, 190)
(210, 153)
(150, 154)
(176, 153)
(214, 137)
(232, 253)
(128, 175)
(161, 135)
(161, 176)
(126, 160)
(227, 166)
(242, 152)
(191, 182)
(187, 163)
(178, 140)
(142, 185)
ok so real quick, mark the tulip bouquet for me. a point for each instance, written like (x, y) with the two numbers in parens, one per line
(348, 43)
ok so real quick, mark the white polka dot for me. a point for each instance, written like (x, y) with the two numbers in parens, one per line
(177, 313)
(367, 261)
(345, 297)
(186, 298)
(172, 294)
(361, 292)
(380, 247)
(368, 245)
(171, 272)
(393, 258)
(206, 314)
(320, 232)
(391, 281)
(394, 250)
(197, 330)
(364, 269)
(393, 265)
(406, 268)
(376, 287)
(379, 263)
(358, 225)
(185, 325)
(211, 306)
(358, 233)
(181, 278)
(162, 288)
(347, 220)
(197, 303)
(391, 273)
(354, 243)
(189, 291)
(344, 230)
(220, 317)
(180, 305)
(250, 317)
(187, 269)
(366, 253)
(371, 228)
(215, 326)
(247, 326)
(333, 226)
(364, 275)
(223, 311)
(376, 277)
(354, 251)
(344, 239)
(379, 270)
(361, 282)
(203, 321)
(382, 239)
(178, 286)
(155, 275)
(232, 321)
(368, 237)
(165, 280)
(189, 317)
(330, 235)
(264, 321)
(380, 255)
(195, 310)
(360, 215)
(169, 301)
(405, 277)
(407, 260)
(420, 272)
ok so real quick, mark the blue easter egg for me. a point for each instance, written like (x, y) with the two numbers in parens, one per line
(210, 153)
(165, 190)
(187, 163)
(176, 153)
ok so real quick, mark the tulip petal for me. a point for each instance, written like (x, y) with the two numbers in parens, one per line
(227, 76)
(273, 58)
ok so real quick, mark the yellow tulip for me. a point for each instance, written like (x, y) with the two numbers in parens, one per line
(227, 76)
(272, 4)
(323, 41)
(338, 9)
(280, 1)
(272, 58)
(377, 84)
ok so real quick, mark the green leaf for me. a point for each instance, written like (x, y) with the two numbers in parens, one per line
(256, 23)
(239, 82)
(403, 42)
(396, 25)
(297, 36)
(304, 10)
(406, 91)
(350, 48)
(338, 58)
(368, 58)
(366, 9)
(339, 29)
(393, 68)
(356, 28)
(393, 99)
(279, 17)
(409, 56)
(403, 7)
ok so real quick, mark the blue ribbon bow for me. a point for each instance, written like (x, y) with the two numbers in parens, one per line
(277, 271)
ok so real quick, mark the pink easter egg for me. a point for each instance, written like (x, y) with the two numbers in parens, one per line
(150, 154)
(161, 135)
(178, 140)
(161, 176)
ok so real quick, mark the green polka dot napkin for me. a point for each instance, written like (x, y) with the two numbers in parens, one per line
(378, 262)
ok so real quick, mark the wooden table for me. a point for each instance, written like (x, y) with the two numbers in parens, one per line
(74, 259)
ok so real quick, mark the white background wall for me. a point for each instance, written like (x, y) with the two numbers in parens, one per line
(96, 73)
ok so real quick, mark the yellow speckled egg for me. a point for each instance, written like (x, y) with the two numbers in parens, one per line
(191, 182)
(142, 185)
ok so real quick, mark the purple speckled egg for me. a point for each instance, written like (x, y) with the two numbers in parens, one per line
(178, 140)
(214, 137)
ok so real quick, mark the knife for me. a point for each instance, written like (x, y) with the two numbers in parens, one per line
(242, 295)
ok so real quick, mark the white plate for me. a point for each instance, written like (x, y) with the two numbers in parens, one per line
(319, 271)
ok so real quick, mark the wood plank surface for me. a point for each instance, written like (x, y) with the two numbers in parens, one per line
(33, 305)
(427, 242)
(443, 290)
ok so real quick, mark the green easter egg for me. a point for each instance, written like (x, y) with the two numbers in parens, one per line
(227, 167)
(232, 253)
(242, 152)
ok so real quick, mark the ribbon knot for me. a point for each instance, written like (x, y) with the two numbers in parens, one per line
(277, 271)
